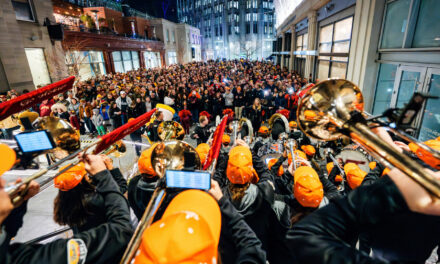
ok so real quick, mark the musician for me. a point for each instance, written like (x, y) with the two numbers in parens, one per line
(152, 128)
(193, 230)
(246, 181)
(102, 244)
(201, 132)
(141, 187)
(78, 204)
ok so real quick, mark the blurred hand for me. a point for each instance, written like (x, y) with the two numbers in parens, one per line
(196, 136)
(215, 190)
(241, 142)
(402, 145)
(107, 161)
(417, 198)
(383, 134)
(93, 163)
(5, 202)
(291, 169)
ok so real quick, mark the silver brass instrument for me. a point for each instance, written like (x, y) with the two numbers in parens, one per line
(334, 108)
(291, 144)
(246, 130)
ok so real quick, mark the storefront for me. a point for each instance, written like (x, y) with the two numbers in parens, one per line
(410, 61)
(172, 57)
(89, 64)
(152, 59)
(301, 39)
(125, 61)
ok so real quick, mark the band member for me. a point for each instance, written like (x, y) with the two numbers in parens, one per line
(152, 128)
(201, 132)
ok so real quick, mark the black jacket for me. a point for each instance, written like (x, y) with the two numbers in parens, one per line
(103, 244)
(397, 234)
(202, 132)
(140, 190)
(238, 243)
(256, 208)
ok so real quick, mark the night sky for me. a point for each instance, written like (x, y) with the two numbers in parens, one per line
(154, 8)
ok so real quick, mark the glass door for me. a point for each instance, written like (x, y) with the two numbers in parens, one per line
(430, 118)
(409, 79)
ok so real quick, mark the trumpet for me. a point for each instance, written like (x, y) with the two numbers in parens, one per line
(335, 108)
(291, 144)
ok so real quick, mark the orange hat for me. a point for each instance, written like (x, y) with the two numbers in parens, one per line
(329, 167)
(385, 171)
(70, 178)
(130, 119)
(372, 165)
(188, 232)
(425, 155)
(144, 162)
(298, 153)
(355, 175)
(8, 158)
(293, 124)
(271, 163)
(308, 190)
(309, 115)
(226, 139)
(203, 150)
(308, 149)
(240, 169)
(263, 130)
(338, 178)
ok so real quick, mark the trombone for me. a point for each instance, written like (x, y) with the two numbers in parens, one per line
(334, 108)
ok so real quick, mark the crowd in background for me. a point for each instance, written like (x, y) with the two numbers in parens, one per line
(251, 89)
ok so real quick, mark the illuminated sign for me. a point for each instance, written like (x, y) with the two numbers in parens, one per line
(283, 8)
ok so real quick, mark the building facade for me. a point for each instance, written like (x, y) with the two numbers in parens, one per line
(28, 56)
(231, 28)
(390, 48)
(181, 41)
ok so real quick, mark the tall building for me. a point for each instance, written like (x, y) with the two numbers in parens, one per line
(231, 28)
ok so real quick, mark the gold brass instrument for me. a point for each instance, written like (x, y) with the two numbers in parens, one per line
(166, 155)
(67, 143)
(334, 108)
(170, 130)
(275, 118)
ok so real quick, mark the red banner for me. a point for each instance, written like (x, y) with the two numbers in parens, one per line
(30, 99)
(216, 145)
(123, 131)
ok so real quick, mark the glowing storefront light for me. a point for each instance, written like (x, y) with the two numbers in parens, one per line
(283, 8)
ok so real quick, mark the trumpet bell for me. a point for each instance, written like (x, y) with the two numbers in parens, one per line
(66, 138)
(325, 108)
(170, 155)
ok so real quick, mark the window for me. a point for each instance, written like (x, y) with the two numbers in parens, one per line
(23, 10)
(255, 17)
(172, 58)
(248, 17)
(90, 63)
(384, 88)
(396, 19)
(168, 36)
(38, 66)
(248, 28)
(248, 4)
(173, 36)
(427, 32)
(334, 46)
(255, 28)
(255, 4)
(125, 61)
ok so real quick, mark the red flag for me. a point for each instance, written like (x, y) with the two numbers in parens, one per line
(214, 151)
(123, 131)
(25, 101)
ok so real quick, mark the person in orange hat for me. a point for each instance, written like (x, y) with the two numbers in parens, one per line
(272, 167)
(355, 175)
(203, 150)
(264, 131)
(308, 189)
(309, 150)
(248, 185)
(103, 243)
(193, 231)
(141, 187)
(226, 139)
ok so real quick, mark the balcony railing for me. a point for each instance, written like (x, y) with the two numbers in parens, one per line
(106, 31)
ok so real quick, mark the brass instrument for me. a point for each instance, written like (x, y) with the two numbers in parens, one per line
(170, 130)
(166, 155)
(234, 134)
(292, 145)
(278, 118)
(245, 127)
(334, 108)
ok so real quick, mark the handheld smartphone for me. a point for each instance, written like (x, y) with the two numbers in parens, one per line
(35, 141)
(188, 179)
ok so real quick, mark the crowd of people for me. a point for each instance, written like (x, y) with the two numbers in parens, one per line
(300, 207)
(250, 89)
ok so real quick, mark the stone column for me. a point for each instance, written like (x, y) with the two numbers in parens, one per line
(282, 48)
(311, 43)
(292, 47)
